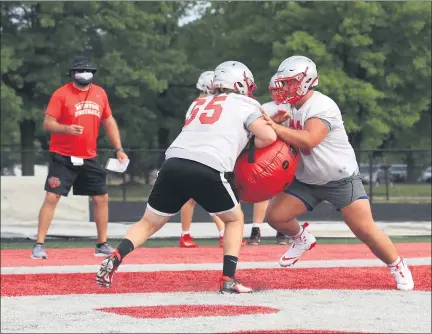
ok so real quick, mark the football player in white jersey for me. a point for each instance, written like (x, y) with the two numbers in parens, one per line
(199, 164)
(259, 209)
(205, 86)
(327, 170)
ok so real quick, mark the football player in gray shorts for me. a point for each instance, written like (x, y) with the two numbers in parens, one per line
(327, 170)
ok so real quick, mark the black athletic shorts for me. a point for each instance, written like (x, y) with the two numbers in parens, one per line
(180, 180)
(88, 179)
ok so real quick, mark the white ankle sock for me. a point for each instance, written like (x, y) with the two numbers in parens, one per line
(256, 225)
(298, 234)
(185, 232)
(398, 260)
(221, 233)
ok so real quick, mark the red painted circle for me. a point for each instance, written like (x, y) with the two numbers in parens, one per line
(294, 331)
(188, 311)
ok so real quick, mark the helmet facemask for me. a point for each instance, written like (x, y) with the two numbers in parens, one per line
(205, 82)
(247, 90)
(291, 91)
(276, 92)
(209, 88)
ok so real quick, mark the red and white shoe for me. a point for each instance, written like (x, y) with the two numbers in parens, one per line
(402, 275)
(221, 242)
(187, 242)
(305, 241)
(232, 285)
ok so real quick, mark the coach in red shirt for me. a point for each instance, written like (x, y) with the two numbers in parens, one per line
(73, 118)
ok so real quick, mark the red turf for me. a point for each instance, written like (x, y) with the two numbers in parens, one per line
(188, 311)
(178, 281)
(299, 331)
(174, 255)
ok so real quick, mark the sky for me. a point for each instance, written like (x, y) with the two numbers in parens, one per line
(194, 13)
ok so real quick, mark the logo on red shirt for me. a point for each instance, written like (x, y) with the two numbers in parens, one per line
(87, 108)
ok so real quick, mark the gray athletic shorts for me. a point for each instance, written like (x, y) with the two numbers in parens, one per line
(339, 193)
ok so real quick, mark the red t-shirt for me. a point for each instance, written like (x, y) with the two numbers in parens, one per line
(69, 105)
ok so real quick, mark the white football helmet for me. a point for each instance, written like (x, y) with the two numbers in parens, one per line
(205, 82)
(236, 76)
(297, 74)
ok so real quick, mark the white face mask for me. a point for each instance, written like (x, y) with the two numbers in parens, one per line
(85, 76)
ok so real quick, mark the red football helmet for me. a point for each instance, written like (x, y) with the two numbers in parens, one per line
(261, 174)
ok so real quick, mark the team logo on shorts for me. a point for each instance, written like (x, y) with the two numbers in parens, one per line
(54, 182)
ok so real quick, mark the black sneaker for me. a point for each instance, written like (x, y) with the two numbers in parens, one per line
(281, 239)
(255, 236)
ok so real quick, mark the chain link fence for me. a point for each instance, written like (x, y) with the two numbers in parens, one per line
(388, 175)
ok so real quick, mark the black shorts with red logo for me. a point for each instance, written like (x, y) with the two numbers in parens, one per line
(88, 179)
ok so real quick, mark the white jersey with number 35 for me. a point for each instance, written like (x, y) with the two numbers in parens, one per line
(215, 130)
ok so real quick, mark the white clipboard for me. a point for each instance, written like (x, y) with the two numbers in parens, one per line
(115, 165)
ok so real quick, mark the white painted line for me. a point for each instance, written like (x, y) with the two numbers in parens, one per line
(366, 311)
(207, 266)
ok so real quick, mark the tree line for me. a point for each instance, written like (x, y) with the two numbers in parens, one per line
(374, 60)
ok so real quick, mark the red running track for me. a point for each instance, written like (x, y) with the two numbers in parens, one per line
(173, 255)
(363, 278)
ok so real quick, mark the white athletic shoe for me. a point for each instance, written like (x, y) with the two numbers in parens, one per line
(305, 241)
(402, 275)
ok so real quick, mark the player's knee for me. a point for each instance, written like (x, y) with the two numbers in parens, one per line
(100, 199)
(232, 216)
(367, 236)
(365, 231)
(155, 220)
(51, 199)
(273, 217)
(276, 217)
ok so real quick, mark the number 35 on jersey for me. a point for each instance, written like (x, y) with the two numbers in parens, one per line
(208, 111)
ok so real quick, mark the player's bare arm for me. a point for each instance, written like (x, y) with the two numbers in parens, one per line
(311, 136)
(51, 124)
(263, 132)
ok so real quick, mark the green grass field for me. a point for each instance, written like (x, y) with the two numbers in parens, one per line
(398, 192)
(403, 190)
(173, 242)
